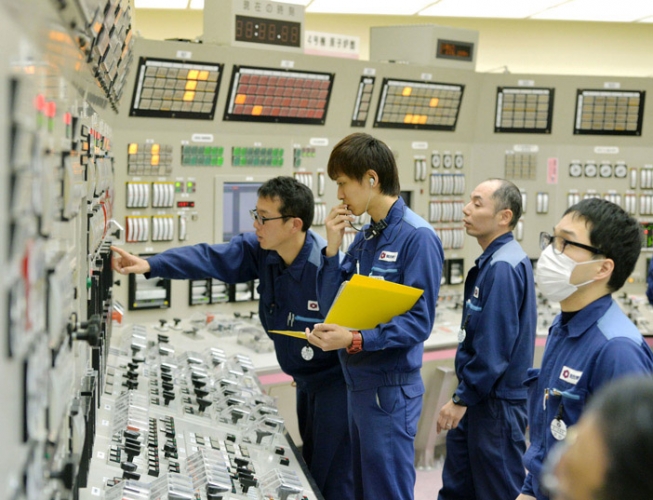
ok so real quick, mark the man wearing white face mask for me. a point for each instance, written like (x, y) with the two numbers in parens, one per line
(589, 256)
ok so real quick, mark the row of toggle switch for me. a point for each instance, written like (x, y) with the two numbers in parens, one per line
(138, 194)
(137, 227)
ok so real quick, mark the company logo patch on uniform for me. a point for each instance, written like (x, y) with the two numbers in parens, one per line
(570, 375)
(476, 292)
(389, 256)
(313, 305)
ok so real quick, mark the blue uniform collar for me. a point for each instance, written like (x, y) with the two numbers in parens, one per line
(493, 247)
(393, 218)
(585, 318)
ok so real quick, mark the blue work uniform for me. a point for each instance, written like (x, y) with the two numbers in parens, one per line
(384, 383)
(649, 283)
(598, 344)
(484, 452)
(288, 301)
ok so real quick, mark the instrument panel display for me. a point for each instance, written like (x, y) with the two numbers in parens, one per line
(278, 96)
(418, 105)
(174, 89)
(609, 112)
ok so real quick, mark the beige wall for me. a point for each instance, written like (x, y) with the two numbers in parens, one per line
(522, 46)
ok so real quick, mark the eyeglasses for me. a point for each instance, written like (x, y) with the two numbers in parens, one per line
(559, 244)
(262, 220)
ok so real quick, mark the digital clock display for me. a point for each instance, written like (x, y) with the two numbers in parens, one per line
(268, 31)
(460, 51)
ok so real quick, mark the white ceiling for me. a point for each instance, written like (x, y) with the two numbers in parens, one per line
(558, 10)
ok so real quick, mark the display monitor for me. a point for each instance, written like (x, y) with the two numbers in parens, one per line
(278, 96)
(237, 200)
(524, 110)
(418, 105)
(609, 112)
(174, 89)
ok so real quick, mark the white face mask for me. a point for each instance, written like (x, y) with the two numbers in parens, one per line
(554, 272)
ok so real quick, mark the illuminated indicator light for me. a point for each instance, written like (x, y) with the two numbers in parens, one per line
(406, 91)
(67, 118)
(408, 118)
(189, 184)
(189, 95)
(155, 160)
(132, 149)
(241, 98)
(204, 75)
(29, 70)
(50, 109)
(192, 74)
(433, 103)
(39, 102)
(257, 110)
(422, 119)
(191, 85)
(155, 149)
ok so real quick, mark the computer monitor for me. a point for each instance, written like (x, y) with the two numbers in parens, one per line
(238, 199)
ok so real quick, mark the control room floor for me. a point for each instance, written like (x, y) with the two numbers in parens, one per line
(428, 483)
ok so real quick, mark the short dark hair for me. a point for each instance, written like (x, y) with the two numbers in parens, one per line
(624, 413)
(296, 198)
(508, 196)
(357, 153)
(615, 233)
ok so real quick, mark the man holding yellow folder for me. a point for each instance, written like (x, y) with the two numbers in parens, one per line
(382, 363)
(283, 255)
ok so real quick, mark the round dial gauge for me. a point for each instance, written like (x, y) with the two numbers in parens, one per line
(620, 170)
(590, 170)
(605, 170)
(447, 161)
(575, 170)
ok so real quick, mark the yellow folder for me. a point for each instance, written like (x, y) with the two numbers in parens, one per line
(365, 302)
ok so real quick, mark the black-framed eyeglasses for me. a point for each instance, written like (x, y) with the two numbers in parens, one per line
(262, 220)
(559, 244)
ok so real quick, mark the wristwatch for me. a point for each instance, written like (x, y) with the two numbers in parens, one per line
(457, 401)
(356, 342)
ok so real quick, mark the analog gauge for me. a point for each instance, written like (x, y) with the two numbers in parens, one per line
(620, 170)
(590, 170)
(575, 170)
(458, 161)
(447, 161)
(605, 170)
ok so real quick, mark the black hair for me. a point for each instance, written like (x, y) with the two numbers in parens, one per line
(357, 153)
(296, 198)
(615, 233)
(624, 413)
(508, 196)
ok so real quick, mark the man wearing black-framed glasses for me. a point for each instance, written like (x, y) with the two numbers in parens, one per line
(589, 256)
(283, 254)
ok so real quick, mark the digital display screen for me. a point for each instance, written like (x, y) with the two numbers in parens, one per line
(268, 31)
(174, 89)
(278, 96)
(460, 51)
(185, 204)
(609, 112)
(363, 101)
(237, 200)
(418, 105)
(524, 110)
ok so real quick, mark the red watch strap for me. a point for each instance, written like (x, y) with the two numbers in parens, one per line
(356, 343)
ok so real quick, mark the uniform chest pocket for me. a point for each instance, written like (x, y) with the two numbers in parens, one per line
(388, 271)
